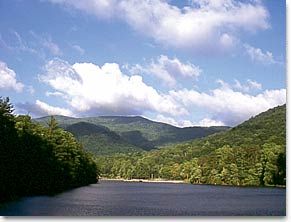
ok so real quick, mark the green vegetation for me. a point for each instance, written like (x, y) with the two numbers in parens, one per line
(251, 154)
(119, 134)
(100, 140)
(39, 160)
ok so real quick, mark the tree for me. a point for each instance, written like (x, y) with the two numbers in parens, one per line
(8, 151)
(270, 155)
(52, 125)
(38, 160)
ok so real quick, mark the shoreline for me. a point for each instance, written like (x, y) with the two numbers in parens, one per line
(143, 180)
(183, 182)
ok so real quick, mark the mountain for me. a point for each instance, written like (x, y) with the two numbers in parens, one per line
(135, 133)
(250, 154)
(99, 139)
(266, 127)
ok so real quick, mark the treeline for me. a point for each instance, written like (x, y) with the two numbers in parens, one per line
(39, 160)
(251, 154)
(225, 166)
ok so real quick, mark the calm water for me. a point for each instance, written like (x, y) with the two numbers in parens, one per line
(153, 199)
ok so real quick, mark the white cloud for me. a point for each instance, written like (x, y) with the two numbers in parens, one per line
(52, 47)
(204, 24)
(228, 106)
(105, 90)
(79, 49)
(172, 121)
(210, 122)
(168, 120)
(253, 84)
(8, 79)
(52, 110)
(228, 42)
(19, 44)
(30, 89)
(168, 69)
(37, 46)
(3, 44)
(90, 89)
(205, 122)
(248, 86)
(40, 108)
(186, 123)
(257, 55)
(58, 94)
(99, 8)
(47, 43)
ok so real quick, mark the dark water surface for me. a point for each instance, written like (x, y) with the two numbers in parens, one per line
(111, 198)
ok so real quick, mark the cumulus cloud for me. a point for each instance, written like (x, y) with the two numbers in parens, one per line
(205, 122)
(90, 89)
(204, 23)
(8, 79)
(40, 108)
(210, 122)
(172, 121)
(164, 119)
(257, 55)
(228, 106)
(167, 69)
(248, 86)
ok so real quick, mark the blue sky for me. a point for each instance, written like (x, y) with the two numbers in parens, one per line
(192, 62)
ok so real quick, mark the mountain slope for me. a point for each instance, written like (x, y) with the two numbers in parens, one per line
(252, 153)
(99, 139)
(266, 127)
(136, 132)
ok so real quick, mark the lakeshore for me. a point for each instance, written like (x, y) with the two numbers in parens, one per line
(182, 182)
(143, 180)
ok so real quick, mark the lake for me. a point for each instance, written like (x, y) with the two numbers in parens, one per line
(116, 198)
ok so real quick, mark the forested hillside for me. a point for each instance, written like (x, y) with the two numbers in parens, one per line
(39, 160)
(253, 153)
(100, 140)
(134, 133)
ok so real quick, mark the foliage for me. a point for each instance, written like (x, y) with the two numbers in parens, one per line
(39, 160)
(135, 133)
(251, 154)
(100, 140)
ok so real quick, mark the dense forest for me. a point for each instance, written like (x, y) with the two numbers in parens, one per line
(251, 154)
(39, 160)
(99, 140)
(107, 135)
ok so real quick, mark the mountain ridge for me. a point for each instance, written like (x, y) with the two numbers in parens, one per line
(139, 133)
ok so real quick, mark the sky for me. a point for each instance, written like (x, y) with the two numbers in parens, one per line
(184, 62)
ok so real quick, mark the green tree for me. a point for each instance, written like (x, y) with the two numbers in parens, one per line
(270, 155)
(49, 160)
